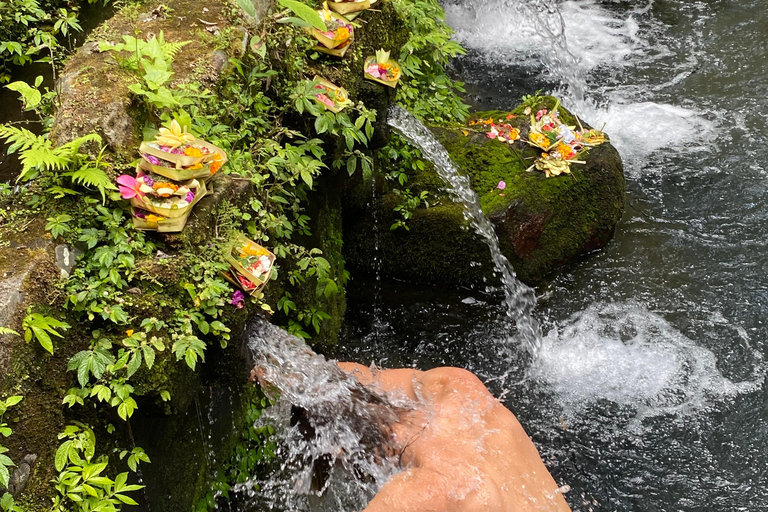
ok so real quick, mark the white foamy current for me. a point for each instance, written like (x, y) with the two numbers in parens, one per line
(580, 47)
(632, 357)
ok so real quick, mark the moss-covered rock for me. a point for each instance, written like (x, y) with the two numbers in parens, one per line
(542, 223)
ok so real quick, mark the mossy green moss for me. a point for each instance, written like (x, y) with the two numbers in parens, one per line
(542, 223)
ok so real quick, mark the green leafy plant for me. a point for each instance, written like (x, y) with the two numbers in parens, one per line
(152, 61)
(58, 225)
(5, 431)
(31, 96)
(409, 202)
(42, 328)
(8, 504)
(532, 100)
(39, 159)
(81, 485)
(307, 16)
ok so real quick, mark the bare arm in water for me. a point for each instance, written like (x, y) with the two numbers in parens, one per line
(463, 450)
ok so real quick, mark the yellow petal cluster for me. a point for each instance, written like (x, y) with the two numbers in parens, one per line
(174, 136)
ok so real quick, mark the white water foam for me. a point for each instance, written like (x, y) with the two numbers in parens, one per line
(639, 129)
(509, 31)
(630, 356)
(504, 29)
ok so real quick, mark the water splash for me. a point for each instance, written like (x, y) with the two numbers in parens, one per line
(329, 429)
(519, 298)
(625, 354)
(583, 46)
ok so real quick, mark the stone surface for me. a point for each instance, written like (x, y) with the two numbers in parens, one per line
(20, 475)
(66, 258)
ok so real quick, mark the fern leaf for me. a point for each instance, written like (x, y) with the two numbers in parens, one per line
(4, 331)
(19, 139)
(40, 158)
(72, 148)
(91, 176)
(171, 49)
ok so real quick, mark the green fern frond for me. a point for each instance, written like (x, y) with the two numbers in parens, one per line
(41, 158)
(171, 49)
(19, 139)
(90, 176)
(4, 331)
(72, 148)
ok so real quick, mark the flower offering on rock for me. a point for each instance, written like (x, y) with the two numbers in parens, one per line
(503, 132)
(380, 68)
(332, 97)
(148, 221)
(251, 265)
(160, 195)
(339, 35)
(562, 144)
(178, 155)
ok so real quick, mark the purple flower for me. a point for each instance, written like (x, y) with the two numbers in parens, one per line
(238, 299)
(141, 214)
(149, 181)
(190, 196)
(151, 159)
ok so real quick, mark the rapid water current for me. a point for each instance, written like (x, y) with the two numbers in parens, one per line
(647, 392)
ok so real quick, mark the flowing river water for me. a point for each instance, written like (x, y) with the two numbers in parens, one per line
(647, 392)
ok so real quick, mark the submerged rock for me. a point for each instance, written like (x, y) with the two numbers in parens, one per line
(542, 223)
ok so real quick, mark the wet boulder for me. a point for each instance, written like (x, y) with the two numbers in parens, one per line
(542, 223)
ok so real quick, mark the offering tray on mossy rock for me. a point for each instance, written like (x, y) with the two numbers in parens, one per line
(251, 261)
(242, 282)
(350, 7)
(203, 172)
(338, 96)
(327, 42)
(339, 51)
(380, 68)
(197, 187)
(182, 161)
(145, 221)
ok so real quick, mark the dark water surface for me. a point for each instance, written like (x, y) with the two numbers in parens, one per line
(648, 393)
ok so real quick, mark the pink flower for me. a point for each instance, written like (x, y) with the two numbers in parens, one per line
(501, 185)
(325, 100)
(238, 299)
(373, 70)
(540, 114)
(190, 196)
(129, 186)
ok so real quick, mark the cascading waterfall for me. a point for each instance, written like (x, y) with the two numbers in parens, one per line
(519, 298)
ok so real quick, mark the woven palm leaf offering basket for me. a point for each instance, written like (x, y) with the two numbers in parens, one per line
(160, 195)
(561, 145)
(350, 6)
(339, 36)
(380, 68)
(180, 156)
(251, 265)
(330, 96)
(147, 221)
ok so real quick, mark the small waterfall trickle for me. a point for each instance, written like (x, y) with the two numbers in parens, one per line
(519, 298)
(374, 207)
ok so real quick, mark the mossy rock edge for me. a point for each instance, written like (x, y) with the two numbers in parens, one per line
(542, 223)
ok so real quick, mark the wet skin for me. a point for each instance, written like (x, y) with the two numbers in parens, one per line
(462, 450)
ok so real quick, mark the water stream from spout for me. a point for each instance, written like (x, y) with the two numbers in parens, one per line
(519, 298)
